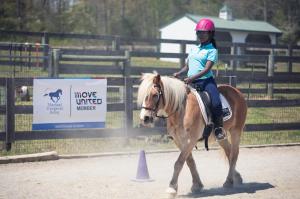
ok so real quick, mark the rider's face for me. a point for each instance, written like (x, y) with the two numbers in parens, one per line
(203, 36)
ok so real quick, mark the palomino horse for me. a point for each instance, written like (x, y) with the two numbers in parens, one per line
(170, 97)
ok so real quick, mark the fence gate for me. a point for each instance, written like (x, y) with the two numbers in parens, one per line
(18, 61)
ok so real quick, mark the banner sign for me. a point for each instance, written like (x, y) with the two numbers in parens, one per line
(69, 103)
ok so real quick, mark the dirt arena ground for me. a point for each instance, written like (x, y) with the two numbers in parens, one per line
(272, 172)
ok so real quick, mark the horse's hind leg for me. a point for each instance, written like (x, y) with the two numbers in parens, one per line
(227, 149)
(232, 152)
(197, 184)
(235, 140)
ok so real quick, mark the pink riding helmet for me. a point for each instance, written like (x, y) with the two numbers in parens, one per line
(205, 24)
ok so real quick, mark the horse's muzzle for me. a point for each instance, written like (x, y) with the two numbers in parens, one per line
(148, 119)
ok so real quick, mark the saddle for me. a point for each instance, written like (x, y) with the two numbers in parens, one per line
(204, 102)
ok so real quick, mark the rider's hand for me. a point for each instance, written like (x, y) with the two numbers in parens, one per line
(188, 80)
(176, 75)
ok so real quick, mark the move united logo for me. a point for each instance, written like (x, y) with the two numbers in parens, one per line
(87, 100)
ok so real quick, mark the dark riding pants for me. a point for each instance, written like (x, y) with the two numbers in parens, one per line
(209, 85)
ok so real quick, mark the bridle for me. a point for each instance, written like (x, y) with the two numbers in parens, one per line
(155, 108)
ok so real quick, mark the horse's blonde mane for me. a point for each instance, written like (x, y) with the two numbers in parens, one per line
(174, 91)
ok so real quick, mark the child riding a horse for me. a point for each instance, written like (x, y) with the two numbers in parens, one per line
(199, 63)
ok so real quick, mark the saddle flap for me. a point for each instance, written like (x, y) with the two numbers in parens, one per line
(227, 112)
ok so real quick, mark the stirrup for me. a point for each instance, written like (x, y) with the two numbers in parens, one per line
(221, 136)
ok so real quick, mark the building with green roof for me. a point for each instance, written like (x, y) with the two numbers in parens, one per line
(228, 29)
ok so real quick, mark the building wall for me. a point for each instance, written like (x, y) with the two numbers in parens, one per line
(182, 29)
(222, 36)
(273, 39)
(238, 37)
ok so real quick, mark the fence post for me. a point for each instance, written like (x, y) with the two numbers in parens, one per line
(232, 80)
(116, 46)
(182, 52)
(10, 113)
(128, 122)
(45, 44)
(157, 49)
(290, 63)
(233, 61)
(50, 64)
(270, 73)
(56, 58)
(240, 50)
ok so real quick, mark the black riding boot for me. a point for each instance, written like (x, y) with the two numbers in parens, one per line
(219, 132)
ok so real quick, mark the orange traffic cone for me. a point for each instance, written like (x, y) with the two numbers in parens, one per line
(142, 174)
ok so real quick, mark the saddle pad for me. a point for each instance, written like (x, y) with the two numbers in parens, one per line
(227, 112)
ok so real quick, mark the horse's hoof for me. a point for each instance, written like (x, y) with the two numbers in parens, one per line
(228, 184)
(168, 196)
(237, 179)
(171, 192)
(196, 188)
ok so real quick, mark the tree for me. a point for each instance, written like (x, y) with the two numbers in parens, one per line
(138, 18)
(287, 17)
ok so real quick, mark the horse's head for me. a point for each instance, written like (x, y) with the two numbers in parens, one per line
(59, 91)
(151, 97)
(160, 96)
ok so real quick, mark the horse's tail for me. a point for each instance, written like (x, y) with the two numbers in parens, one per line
(46, 94)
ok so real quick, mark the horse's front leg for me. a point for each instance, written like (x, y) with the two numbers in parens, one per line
(173, 187)
(197, 184)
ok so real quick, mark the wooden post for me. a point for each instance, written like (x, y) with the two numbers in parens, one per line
(10, 113)
(50, 64)
(232, 80)
(182, 52)
(290, 63)
(233, 62)
(56, 58)
(128, 121)
(158, 49)
(116, 46)
(45, 44)
(270, 73)
(238, 62)
(45, 39)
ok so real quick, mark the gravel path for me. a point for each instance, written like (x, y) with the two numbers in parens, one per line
(272, 172)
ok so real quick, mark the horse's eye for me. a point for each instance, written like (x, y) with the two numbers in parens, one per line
(155, 96)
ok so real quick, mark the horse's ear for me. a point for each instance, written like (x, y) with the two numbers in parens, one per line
(156, 79)
(142, 76)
